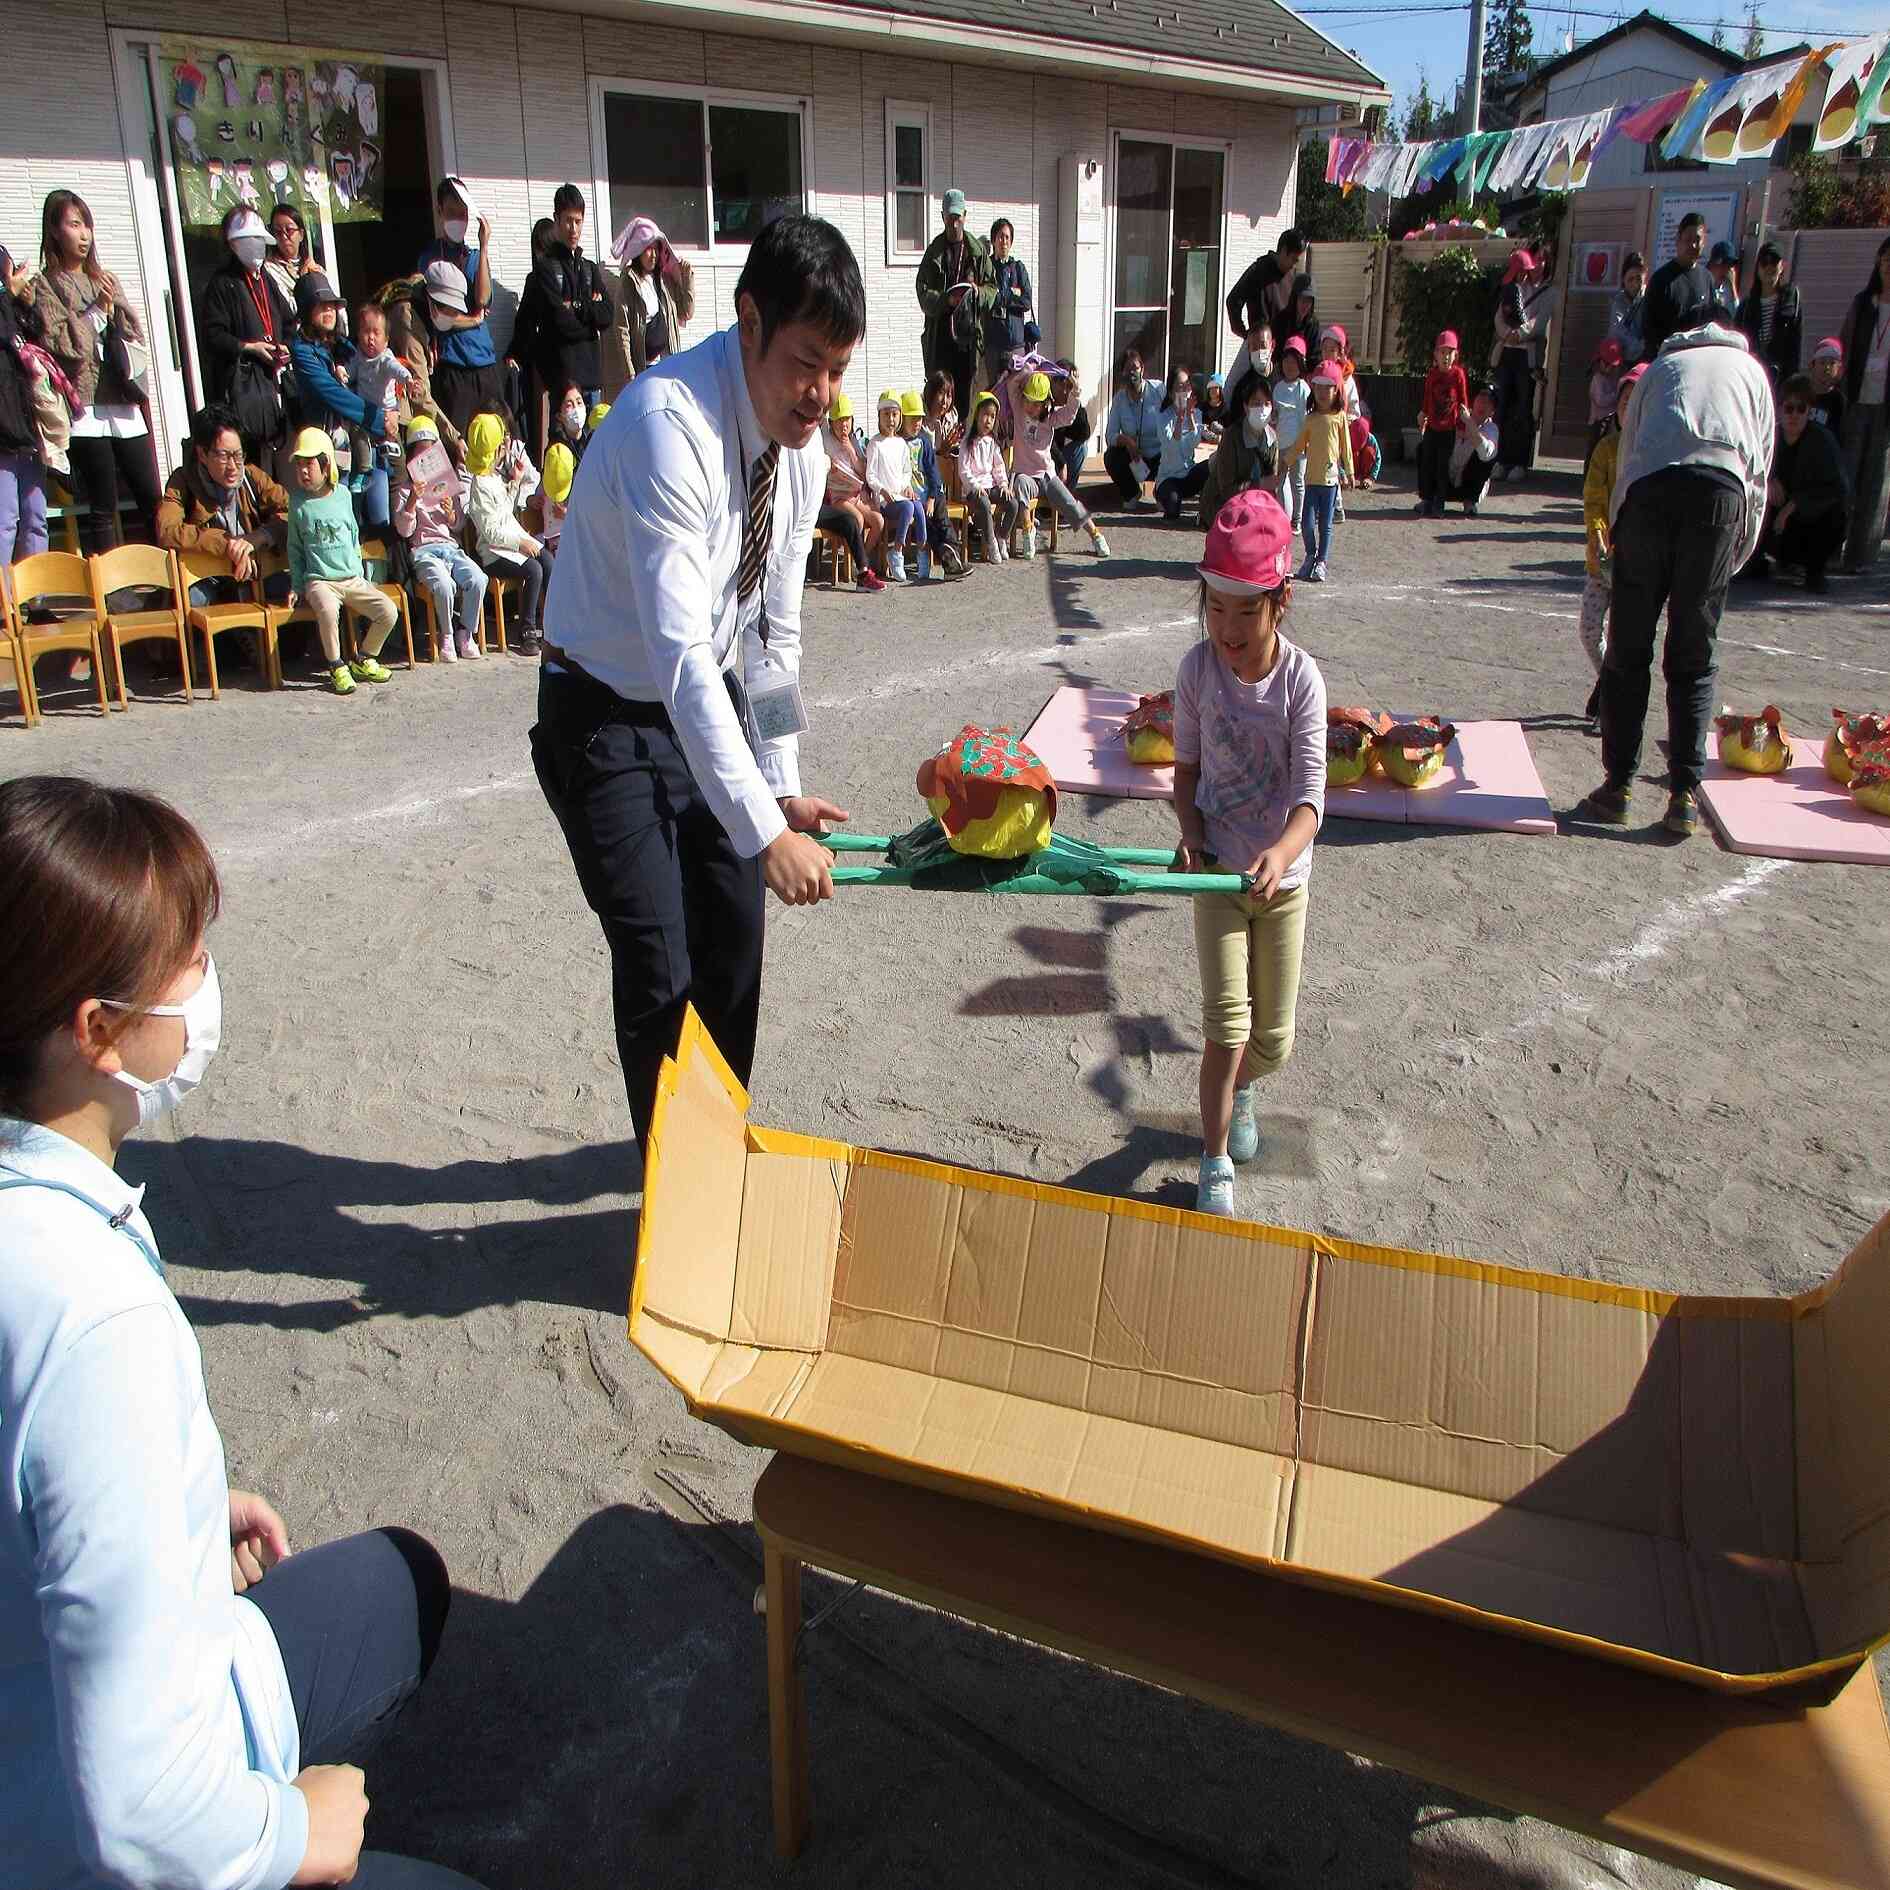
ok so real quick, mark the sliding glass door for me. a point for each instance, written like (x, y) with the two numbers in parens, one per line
(1169, 209)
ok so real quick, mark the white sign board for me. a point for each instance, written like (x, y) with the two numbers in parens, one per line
(1720, 208)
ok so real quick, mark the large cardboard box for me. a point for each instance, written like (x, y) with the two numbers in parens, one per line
(1696, 1486)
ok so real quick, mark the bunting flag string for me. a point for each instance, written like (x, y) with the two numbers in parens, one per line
(1725, 121)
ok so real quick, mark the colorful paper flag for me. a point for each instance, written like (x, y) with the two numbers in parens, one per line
(1857, 74)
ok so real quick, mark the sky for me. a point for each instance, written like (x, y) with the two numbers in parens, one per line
(1432, 36)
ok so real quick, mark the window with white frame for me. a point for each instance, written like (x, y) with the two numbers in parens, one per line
(712, 168)
(908, 188)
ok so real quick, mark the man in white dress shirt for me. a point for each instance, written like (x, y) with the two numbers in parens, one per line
(669, 706)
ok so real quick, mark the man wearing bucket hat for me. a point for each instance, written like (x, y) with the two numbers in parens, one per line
(957, 289)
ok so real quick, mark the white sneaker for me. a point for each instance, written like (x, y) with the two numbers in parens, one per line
(1098, 543)
(469, 648)
(1214, 1190)
(896, 568)
(448, 654)
(1027, 549)
(1319, 572)
(1243, 1133)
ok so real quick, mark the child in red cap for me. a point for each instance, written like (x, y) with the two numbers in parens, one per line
(1604, 392)
(1446, 395)
(1250, 792)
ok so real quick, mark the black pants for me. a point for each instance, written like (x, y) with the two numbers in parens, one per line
(460, 392)
(680, 908)
(1470, 488)
(1674, 542)
(1119, 463)
(533, 575)
(1171, 492)
(1812, 544)
(836, 518)
(1515, 409)
(358, 1623)
(1433, 465)
(101, 470)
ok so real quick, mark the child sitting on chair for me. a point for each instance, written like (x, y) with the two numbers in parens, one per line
(325, 565)
(848, 511)
(503, 478)
(1031, 441)
(430, 525)
(889, 481)
(984, 480)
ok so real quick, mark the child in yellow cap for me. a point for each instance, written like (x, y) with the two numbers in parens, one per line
(889, 480)
(503, 478)
(848, 509)
(325, 568)
(560, 470)
(430, 524)
(1033, 435)
(928, 488)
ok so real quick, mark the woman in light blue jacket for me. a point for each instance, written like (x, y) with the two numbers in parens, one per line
(181, 1702)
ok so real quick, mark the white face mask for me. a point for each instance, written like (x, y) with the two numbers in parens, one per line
(454, 229)
(1257, 426)
(250, 250)
(202, 1013)
(573, 418)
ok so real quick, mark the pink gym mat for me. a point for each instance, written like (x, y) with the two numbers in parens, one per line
(1489, 779)
(1801, 814)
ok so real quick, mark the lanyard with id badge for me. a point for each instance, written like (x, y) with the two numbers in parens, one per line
(773, 705)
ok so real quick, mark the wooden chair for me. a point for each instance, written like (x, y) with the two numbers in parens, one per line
(374, 561)
(277, 617)
(432, 622)
(147, 567)
(49, 576)
(11, 652)
(496, 588)
(833, 544)
(210, 621)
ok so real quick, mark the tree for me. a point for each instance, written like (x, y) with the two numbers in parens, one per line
(1719, 34)
(1422, 118)
(1324, 213)
(1507, 35)
(1755, 35)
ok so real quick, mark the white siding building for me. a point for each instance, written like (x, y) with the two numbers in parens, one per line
(1145, 162)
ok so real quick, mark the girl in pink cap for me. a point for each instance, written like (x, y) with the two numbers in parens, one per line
(1325, 447)
(1250, 792)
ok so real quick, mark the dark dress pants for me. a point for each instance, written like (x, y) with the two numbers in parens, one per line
(1515, 409)
(1119, 463)
(680, 908)
(1675, 539)
(358, 1623)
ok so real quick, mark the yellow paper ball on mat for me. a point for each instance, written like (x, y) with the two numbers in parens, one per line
(1837, 759)
(1755, 743)
(1151, 748)
(1148, 731)
(1407, 769)
(1870, 777)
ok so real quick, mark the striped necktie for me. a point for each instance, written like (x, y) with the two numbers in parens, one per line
(758, 530)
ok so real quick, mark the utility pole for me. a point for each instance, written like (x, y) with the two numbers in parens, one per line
(1473, 74)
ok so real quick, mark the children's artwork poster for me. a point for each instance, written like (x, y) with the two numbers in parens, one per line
(263, 125)
(1598, 265)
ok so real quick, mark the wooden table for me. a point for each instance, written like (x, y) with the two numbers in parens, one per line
(1746, 1793)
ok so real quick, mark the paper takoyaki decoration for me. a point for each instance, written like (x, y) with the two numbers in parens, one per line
(1755, 743)
(1412, 753)
(1350, 737)
(993, 797)
(1148, 731)
(1851, 733)
(1870, 776)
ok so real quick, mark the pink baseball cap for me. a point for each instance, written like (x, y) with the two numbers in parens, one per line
(1332, 333)
(1329, 372)
(1609, 353)
(1829, 349)
(1447, 338)
(1293, 344)
(1520, 264)
(1249, 546)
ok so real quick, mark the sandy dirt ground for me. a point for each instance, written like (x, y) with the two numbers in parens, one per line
(401, 1212)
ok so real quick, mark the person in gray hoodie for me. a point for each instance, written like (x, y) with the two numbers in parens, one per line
(1688, 508)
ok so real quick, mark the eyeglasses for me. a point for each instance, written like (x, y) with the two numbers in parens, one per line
(229, 455)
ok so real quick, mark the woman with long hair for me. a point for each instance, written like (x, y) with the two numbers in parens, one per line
(1866, 415)
(84, 307)
(182, 1701)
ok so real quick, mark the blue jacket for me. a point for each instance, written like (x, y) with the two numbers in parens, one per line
(1142, 421)
(325, 400)
(926, 476)
(147, 1733)
(1004, 326)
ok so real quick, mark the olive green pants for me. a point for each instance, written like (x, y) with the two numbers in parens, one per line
(1249, 952)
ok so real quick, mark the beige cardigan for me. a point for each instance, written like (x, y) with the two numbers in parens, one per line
(64, 297)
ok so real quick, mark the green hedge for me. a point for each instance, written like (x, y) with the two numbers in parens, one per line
(1457, 289)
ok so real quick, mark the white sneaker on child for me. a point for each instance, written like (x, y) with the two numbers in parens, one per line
(469, 647)
(895, 568)
(1214, 1190)
(448, 654)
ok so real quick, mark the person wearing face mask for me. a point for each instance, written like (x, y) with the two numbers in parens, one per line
(246, 329)
(182, 1700)
(568, 420)
(1132, 433)
(467, 375)
(1248, 454)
